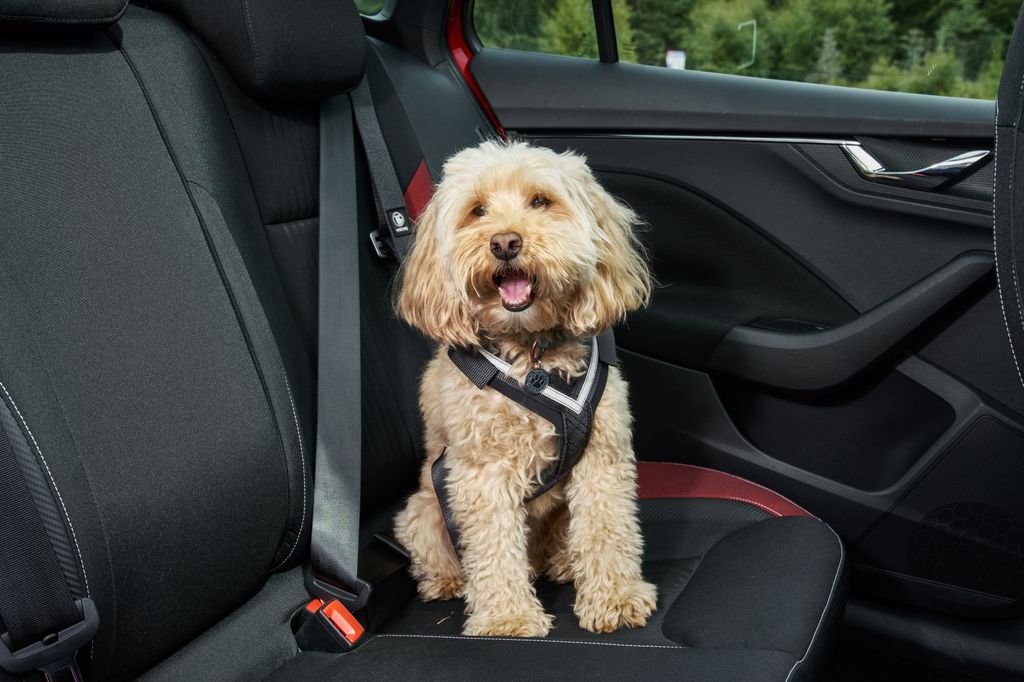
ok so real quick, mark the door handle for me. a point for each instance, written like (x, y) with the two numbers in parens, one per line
(822, 359)
(930, 178)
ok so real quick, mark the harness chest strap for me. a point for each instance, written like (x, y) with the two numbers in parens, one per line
(569, 406)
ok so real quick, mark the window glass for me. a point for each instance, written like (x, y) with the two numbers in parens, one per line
(369, 7)
(939, 47)
(553, 26)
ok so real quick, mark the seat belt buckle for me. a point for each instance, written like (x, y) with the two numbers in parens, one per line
(327, 625)
(338, 621)
(54, 655)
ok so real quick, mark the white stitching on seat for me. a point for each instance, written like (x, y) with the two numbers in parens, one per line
(995, 247)
(828, 603)
(534, 640)
(302, 456)
(738, 478)
(67, 517)
(752, 503)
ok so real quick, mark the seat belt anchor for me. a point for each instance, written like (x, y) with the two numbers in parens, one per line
(55, 654)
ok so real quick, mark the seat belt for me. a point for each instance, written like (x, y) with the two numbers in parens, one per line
(393, 221)
(334, 546)
(43, 626)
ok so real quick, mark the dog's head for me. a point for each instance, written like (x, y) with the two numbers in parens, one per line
(518, 239)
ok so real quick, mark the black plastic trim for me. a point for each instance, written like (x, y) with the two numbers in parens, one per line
(824, 359)
(604, 24)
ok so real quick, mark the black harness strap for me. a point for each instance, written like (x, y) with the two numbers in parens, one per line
(392, 217)
(568, 406)
(439, 477)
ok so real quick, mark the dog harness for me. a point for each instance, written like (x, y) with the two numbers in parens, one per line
(568, 405)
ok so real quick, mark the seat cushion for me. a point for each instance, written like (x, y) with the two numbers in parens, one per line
(749, 588)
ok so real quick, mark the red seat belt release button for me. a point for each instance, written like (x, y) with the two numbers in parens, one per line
(338, 620)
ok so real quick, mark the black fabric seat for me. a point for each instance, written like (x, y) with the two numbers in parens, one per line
(718, 617)
(158, 205)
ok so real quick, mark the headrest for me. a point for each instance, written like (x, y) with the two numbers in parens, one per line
(62, 14)
(289, 49)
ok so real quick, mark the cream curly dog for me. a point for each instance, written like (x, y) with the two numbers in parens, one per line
(519, 244)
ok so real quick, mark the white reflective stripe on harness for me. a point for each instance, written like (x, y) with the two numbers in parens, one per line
(574, 404)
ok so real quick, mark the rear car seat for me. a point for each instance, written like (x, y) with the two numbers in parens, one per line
(158, 206)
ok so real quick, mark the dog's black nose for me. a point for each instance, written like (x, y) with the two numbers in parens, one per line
(506, 246)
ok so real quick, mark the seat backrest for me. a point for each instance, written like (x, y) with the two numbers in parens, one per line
(277, 135)
(1008, 218)
(146, 345)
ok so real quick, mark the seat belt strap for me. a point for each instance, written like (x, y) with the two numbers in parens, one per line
(392, 216)
(334, 546)
(43, 626)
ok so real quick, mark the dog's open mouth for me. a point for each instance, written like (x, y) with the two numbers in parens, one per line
(515, 288)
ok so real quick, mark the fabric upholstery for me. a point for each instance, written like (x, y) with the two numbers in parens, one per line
(62, 13)
(134, 347)
(1007, 224)
(282, 49)
(742, 595)
(249, 643)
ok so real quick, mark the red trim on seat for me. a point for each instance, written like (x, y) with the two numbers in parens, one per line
(462, 54)
(419, 191)
(668, 480)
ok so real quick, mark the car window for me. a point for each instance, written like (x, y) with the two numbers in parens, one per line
(369, 7)
(939, 47)
(555, 27)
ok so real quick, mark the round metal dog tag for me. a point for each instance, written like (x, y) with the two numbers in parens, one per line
(536, 381)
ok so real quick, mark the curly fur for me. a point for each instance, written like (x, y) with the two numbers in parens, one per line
(580, 249)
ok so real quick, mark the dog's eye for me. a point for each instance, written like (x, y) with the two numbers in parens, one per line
(479, 210)
(540, 201)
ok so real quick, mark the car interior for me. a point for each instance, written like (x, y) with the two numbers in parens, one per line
(208, 407)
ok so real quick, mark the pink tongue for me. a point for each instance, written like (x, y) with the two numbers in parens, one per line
(514, 289)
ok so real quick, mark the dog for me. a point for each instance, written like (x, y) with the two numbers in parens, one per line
(518, 246)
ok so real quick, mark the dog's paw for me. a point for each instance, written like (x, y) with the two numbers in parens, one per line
(440, 589)
(531, 623)
(610, 609)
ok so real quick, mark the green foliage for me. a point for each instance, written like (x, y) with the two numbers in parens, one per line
(938, 73)
(568, 28)
(656, 26)
(941, 47)
(862, 29)
(714, 40)
(513, 24)
(369, 6)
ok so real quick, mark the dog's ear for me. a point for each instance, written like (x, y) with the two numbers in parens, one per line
(622, 282)
(426, 298)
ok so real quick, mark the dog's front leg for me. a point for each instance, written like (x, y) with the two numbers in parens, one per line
(487, 503)
(605, 544)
